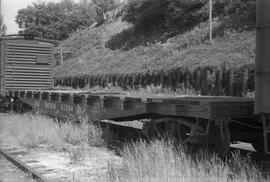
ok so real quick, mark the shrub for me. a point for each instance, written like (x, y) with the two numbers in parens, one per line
(240, 16)
(55, 20)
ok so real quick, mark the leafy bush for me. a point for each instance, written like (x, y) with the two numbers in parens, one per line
(156, 21)
(55, 20)
(186, 13)
(240, 16)
(143, 11)
(175, 12)
(101, 7)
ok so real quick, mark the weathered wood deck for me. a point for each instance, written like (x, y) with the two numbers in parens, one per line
(125, 105)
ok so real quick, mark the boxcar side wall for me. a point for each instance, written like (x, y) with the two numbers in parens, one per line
(1, 68)
(26, 64)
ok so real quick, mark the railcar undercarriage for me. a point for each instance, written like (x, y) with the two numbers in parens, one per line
(200, 121)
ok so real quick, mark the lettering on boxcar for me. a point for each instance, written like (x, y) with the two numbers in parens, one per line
(50, 105)
(66, 108)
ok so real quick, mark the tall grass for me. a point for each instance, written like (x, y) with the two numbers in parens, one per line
(143, 161)
(31, 131)
(159, 161)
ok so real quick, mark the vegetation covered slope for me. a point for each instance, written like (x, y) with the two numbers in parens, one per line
(110, 52)
(234, 50)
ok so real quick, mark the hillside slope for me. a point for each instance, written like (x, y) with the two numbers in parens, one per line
(234, 51)
(169, 63)
(189, 50)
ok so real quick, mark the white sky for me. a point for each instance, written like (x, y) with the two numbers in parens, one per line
(9, 11)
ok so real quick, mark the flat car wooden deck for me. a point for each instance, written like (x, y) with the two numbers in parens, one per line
(120, 106)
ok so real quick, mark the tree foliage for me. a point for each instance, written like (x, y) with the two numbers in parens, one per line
(240, 16)
(102, 6)
(105, 5)
(187, 13)
(3, 27)
(177, 12)
(55, 20)
(141, 11)
(157, 20)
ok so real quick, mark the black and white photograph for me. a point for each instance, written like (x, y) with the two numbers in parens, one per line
(134, 90)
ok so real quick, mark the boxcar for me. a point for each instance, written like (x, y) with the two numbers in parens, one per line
(25, 63)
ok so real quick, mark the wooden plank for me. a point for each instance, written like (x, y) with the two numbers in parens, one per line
(227, 110)
(117, 105)
(179, 110)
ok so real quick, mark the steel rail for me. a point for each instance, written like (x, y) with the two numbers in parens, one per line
(23, 167)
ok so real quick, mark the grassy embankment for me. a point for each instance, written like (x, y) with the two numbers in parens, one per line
(179, 62)
(141, 161)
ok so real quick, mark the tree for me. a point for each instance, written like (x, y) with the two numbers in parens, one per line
(102, 6)
(55, 20)
(141, 11)
(175, 12)
(188, 13)
(3, 27)
(105, 5)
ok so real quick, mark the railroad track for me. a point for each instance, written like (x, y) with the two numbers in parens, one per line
(37, 172)
(9, 154)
